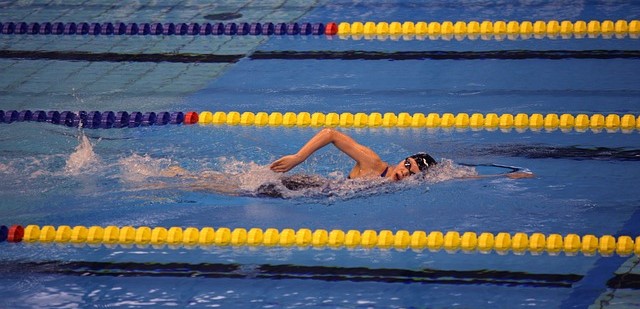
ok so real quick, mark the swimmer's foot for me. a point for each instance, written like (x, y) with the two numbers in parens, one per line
(174, 171)
(520, 175)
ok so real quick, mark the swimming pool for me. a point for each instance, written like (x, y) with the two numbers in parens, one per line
(584, 184)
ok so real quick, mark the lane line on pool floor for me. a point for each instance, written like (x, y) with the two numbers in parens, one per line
(292, 271)
(68, 55)
(445, 55)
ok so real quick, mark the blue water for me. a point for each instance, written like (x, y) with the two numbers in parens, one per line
(50, 178)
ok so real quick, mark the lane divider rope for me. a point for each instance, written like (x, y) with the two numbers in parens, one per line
(96, 119)
(538, 28)
(487, 29)
(491, 121)
(84, 28)
(451, 241)
(581, 122)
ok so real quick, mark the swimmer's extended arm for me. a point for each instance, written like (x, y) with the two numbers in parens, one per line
(514, 173)
(361, 154)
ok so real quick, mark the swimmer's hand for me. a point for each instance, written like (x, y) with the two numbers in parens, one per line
(519, 175)
(286, 163)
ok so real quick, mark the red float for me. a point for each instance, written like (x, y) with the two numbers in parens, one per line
(16, 233)
(331, 29)
(190, 118)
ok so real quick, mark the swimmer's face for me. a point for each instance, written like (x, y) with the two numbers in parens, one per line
(405, 168)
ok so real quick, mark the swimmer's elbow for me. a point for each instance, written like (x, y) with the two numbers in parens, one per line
(329, 133)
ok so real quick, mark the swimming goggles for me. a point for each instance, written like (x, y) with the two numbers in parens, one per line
(407, 165)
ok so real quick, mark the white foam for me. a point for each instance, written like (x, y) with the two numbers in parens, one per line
(448, 170)
(137, 168)
(254, 176)
(6, 169)
(82, 159)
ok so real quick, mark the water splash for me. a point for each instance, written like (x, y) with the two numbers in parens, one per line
(251, 175)
(234, 177)
(74, 93)
(137, 168)
(448, 170)
(6, 169)
(83, 159)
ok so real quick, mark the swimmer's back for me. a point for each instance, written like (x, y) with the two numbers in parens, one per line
(295, 182)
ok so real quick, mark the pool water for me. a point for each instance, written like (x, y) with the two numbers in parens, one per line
(584, 183)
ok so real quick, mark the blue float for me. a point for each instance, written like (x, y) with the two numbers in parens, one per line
(217, 28)
(57, 28)
(169, 29)
(95, 28)
(163, 118)
(53, 117)
(10, 116)
(33, 28)
(280, 29)
(67, 118)
(293, 29)
(25, 115)
(45, 28)
(193, 29)
(122, 119)
(81, 119)
(318, 29)
(306, 29)
(107, 29)
(21, 28)
(132, 29)
(120, 28)
(177, 118)
(156, 29)
(268, 29)
(230, 29)
(182, 29)
(107, 120)
(93, 119)
(8, 28)
(39, 116)
(4, 233)
(144, 29)
(205, 29)
(135, 119)
(255, 29)
(149, 119)
(82, 28)
(70, 28)
(243, 29)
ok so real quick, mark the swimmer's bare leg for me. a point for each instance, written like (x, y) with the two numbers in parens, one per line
(175, 171)
(519, 175)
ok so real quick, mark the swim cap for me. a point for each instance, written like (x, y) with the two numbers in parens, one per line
(423, 160)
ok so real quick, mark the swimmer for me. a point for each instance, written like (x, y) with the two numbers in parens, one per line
(368, 163)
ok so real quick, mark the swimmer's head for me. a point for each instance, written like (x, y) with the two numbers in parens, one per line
(423, 160)
(412, 165)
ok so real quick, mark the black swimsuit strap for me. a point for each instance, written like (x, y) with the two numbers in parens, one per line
(512, 169)
(384, 174)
